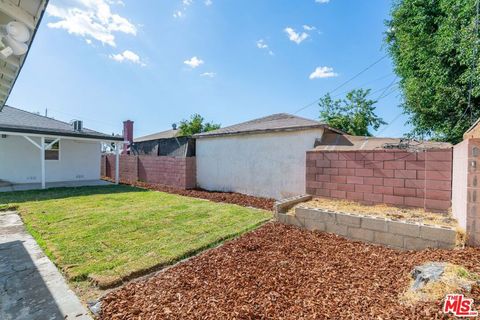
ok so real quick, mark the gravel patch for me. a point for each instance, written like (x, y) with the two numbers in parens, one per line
(281, 272)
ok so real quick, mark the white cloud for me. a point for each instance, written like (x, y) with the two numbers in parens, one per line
(208, 2)
(308, 28)
(181, 12)
(193, 62)
(208, 74)
(294, 36)
(323, 72)
(178, 14)
(127, 56)
(93, 20)
(322, 1)
(261, 44)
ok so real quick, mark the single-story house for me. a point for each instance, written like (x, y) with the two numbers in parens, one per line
(262, 157)
(38, 149)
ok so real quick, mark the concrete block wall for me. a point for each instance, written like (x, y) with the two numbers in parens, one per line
(466, 191)
(170, 171)
(394, 177)
(391, 233)
(473, 192)
(178, 172)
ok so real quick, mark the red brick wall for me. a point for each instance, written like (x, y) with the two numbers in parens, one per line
(393, 177)
(170, 171)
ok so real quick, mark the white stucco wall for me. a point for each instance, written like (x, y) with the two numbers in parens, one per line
(460, 182)
(266, 165)
(20, 161)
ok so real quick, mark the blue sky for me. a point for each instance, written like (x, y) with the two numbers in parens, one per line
(158, 62)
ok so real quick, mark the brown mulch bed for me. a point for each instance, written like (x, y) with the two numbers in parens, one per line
(226, 197)
(281, 272)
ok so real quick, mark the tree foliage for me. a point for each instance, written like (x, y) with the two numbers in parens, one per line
(354, 114)
(432, 45)
(196, 125)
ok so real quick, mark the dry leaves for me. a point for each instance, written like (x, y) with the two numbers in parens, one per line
(281, 272)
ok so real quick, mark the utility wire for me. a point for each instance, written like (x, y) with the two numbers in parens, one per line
(474, 61)
(344, 83)
(469, 106)
(364, 84)
(386, 89)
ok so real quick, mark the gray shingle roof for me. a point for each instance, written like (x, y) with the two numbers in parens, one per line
(274, 122)
(16, 120)
(159, 135)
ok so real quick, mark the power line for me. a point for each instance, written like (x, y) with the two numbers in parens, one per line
(391, 122)
(474, 60)
(364, 84)
(344, 83)
(388, 87)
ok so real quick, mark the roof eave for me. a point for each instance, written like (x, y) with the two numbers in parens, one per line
(2, 104)
(259, 131)
(60, 134)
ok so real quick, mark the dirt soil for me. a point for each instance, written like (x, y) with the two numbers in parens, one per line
(382, 210)
(282, 272)
(226, 197)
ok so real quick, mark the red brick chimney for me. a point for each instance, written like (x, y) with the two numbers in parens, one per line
(127, 135)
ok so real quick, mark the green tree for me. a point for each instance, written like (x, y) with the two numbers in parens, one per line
(432, 43)
(196, 125)
(354, 114)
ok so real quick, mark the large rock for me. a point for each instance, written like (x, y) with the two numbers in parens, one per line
(431, 271)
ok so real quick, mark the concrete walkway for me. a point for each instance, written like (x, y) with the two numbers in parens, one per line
(7, 187)
(31, 287)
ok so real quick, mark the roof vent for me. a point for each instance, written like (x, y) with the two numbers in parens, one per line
(77, 125)
(174, 126)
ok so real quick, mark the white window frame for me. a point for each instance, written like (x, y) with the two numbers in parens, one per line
(47, 142)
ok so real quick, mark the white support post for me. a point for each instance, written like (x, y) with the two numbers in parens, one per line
(117, 163)
(42, 157)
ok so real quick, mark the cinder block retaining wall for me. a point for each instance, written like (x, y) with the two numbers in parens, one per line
(178, 172)
(466, 193)
(392, 233)
(393, 177)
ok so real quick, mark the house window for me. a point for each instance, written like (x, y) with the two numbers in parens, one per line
(54, 152)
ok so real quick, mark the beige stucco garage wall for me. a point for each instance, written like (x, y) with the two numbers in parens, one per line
(20, 161)
(265, 164)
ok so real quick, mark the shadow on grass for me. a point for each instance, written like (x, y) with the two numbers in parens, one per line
(8, 200)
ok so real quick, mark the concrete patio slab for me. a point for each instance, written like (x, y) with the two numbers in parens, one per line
(68, 184)
(31, 287)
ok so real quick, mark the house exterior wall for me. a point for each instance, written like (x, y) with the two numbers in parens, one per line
(459, 183)
(266, 165)
(395, 177)
(20, 161)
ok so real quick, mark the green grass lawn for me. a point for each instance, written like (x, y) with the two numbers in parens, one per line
(113, 233)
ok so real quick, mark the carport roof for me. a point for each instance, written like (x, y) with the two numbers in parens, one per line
(19, 121)
(273, 123)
